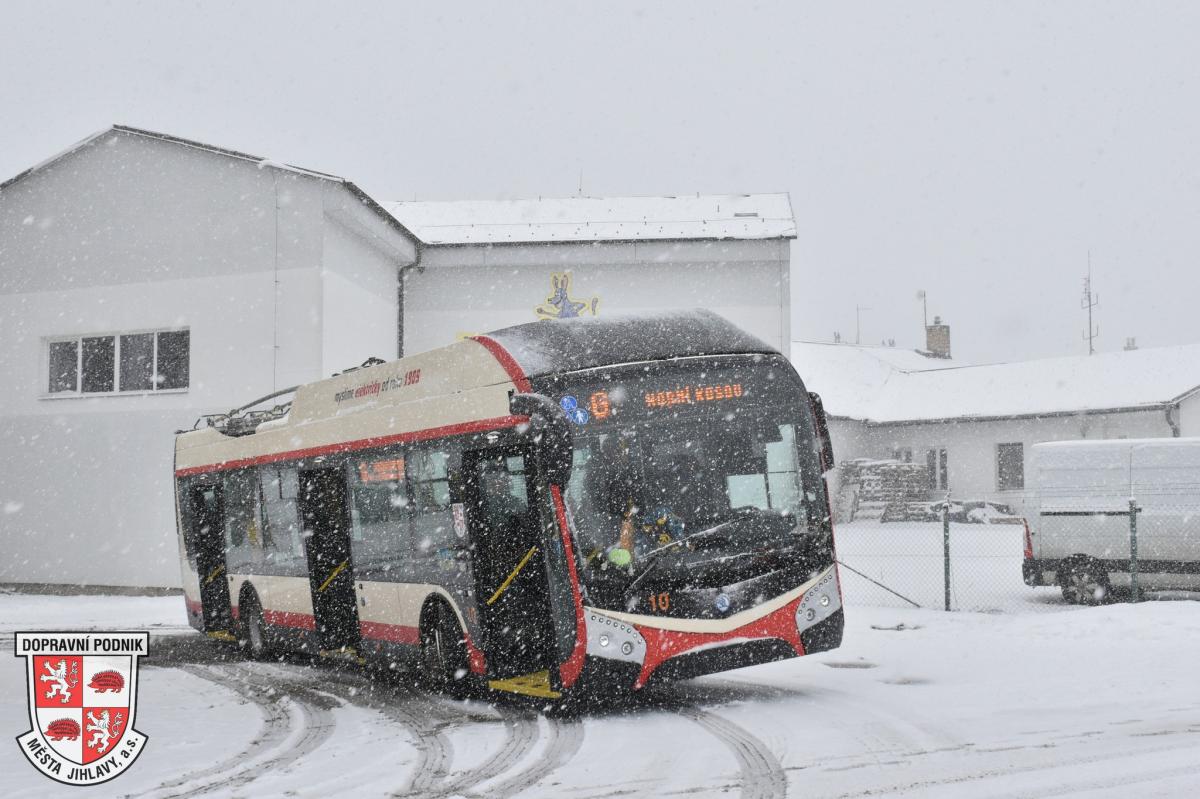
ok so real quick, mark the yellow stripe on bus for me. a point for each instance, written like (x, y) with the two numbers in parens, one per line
(513, 575)
(332, 574)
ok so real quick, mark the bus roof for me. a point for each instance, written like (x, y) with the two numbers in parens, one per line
(569, 345)
(458, 388)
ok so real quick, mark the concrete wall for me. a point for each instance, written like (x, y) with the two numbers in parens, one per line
(473, 289)
(131, 209)
(359, 301)
(134, 234)
(85, 483)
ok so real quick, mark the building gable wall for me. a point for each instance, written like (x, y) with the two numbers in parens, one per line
(133, 209)
(472, 289)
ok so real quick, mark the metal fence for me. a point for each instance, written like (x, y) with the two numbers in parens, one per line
(1084, 553)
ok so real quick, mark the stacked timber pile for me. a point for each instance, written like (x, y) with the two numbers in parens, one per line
(880, 489)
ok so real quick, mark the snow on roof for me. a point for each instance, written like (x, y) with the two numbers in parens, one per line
(731, 216)
(261, 163)
(885, 392)
(850, 378)
(1100, 445)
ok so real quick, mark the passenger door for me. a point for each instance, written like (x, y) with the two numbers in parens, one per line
(324, 511)
(509, 563)
(207, 534)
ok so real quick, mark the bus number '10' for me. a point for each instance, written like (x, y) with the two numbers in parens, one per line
(660, 603)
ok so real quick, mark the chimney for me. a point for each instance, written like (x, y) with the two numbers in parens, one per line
(937, 338)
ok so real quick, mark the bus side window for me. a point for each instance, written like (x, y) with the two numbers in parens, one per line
(380, 511)
(243, 518)
(433, 523)
(281, 535)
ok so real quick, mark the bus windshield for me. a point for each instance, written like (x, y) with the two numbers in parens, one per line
(695, 495)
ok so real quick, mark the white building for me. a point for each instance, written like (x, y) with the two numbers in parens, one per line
(487, 265)
(144, 280)
(147, 279)
(974, 425)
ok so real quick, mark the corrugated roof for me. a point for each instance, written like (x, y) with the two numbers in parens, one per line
(733, 216)
(855, 382)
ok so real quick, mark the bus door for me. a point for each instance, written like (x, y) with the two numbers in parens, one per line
(325, 519)
(509, 563)
(207, 536)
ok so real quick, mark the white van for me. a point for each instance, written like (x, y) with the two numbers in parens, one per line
(1080, 538)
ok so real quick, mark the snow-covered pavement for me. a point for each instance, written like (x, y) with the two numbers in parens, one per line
(1078, 702)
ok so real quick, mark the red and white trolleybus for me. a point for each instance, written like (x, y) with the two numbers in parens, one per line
(550, 507)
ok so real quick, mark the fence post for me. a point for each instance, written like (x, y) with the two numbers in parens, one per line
(1133, 553)
(946, 547)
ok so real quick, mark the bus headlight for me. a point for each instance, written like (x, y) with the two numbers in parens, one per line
(609, 638)
(819, 602)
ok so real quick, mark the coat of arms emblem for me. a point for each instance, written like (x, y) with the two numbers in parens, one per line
(82, 699)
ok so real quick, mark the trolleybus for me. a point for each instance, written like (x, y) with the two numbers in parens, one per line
(549, 507)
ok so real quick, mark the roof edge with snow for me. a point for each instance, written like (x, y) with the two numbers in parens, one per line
(265, 163)
(729, 217)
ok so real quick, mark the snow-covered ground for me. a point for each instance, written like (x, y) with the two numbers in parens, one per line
(1062, 702)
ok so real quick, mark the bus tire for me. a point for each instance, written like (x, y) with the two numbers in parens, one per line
(1084, 582)
(443, 665)
(255, 638)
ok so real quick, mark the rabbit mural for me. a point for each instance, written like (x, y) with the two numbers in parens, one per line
(559, 305)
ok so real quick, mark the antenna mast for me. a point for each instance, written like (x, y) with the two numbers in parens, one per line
(858, 309)
(1088, 302)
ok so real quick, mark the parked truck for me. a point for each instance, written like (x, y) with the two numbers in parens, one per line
(1104, 507)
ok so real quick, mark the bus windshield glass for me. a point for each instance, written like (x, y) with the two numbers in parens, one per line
(696, 478)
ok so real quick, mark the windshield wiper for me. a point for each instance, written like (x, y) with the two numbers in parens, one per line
(652, 560)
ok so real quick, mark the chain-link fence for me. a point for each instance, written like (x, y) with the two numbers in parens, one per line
(1084, 553)
(957, 565)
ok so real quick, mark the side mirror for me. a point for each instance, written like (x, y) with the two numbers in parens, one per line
(551, 431)
(822, 424)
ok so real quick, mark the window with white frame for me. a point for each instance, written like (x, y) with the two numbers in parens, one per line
(156, 360)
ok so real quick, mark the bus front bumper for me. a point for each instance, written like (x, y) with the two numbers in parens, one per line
(804, 621)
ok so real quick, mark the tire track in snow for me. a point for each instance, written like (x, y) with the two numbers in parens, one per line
(276, 725)
(290, 701)
(521, 735)
(295, 723)
(565, 740)
(762, 775)
(1050, 788)
(427, 717)
(422, 716)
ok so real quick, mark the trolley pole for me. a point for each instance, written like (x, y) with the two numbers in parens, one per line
(1134, 593)
(946, 547)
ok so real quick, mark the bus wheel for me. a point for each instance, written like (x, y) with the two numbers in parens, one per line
(255, 636)
(443, 650)
(1085, 582)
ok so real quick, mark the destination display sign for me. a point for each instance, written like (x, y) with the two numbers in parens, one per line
(669, 391)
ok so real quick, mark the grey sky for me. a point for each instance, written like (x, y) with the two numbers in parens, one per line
(976, 150)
